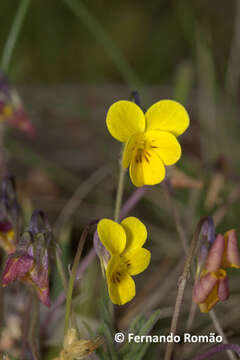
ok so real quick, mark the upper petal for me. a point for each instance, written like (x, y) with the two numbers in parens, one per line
(167, 115)
(112, 235)
(124, 118)
(215, 255)
(231, 253)
(149, 171)
(165, 145)
(122, 290)
(136, 233)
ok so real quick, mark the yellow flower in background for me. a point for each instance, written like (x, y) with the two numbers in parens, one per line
(150, 138)
(7, 239)
(124, 243)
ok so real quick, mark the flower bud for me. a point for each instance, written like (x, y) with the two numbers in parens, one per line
(206, 237)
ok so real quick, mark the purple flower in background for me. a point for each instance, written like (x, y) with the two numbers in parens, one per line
(17, 266)
(206, 237)
(30, 262)
(11, 108)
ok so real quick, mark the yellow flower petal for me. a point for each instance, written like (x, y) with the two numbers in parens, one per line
(137, 261)
(124, 118)
(167, 115)
(165, 145)
(112, 236)
(121, 286)
(136, 233)
(149, 171)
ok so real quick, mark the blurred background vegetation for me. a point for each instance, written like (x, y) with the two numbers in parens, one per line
(154, 37)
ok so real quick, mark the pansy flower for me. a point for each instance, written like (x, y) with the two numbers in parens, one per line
(212, 286)
(127, 256)
(150, 139)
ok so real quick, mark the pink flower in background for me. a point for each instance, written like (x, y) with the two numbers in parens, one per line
(30, 262)
(11, 108)
(212, 285)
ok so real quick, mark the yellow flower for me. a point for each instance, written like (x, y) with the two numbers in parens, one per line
(124, 243)
(150, 138)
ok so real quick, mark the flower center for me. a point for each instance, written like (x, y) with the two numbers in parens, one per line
(120, 271)
(116, 277)
(142, 150)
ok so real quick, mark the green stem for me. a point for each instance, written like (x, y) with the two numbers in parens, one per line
(63, 277)
(61, 271)
(119, 196)
(73, 277)
(13, 34)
